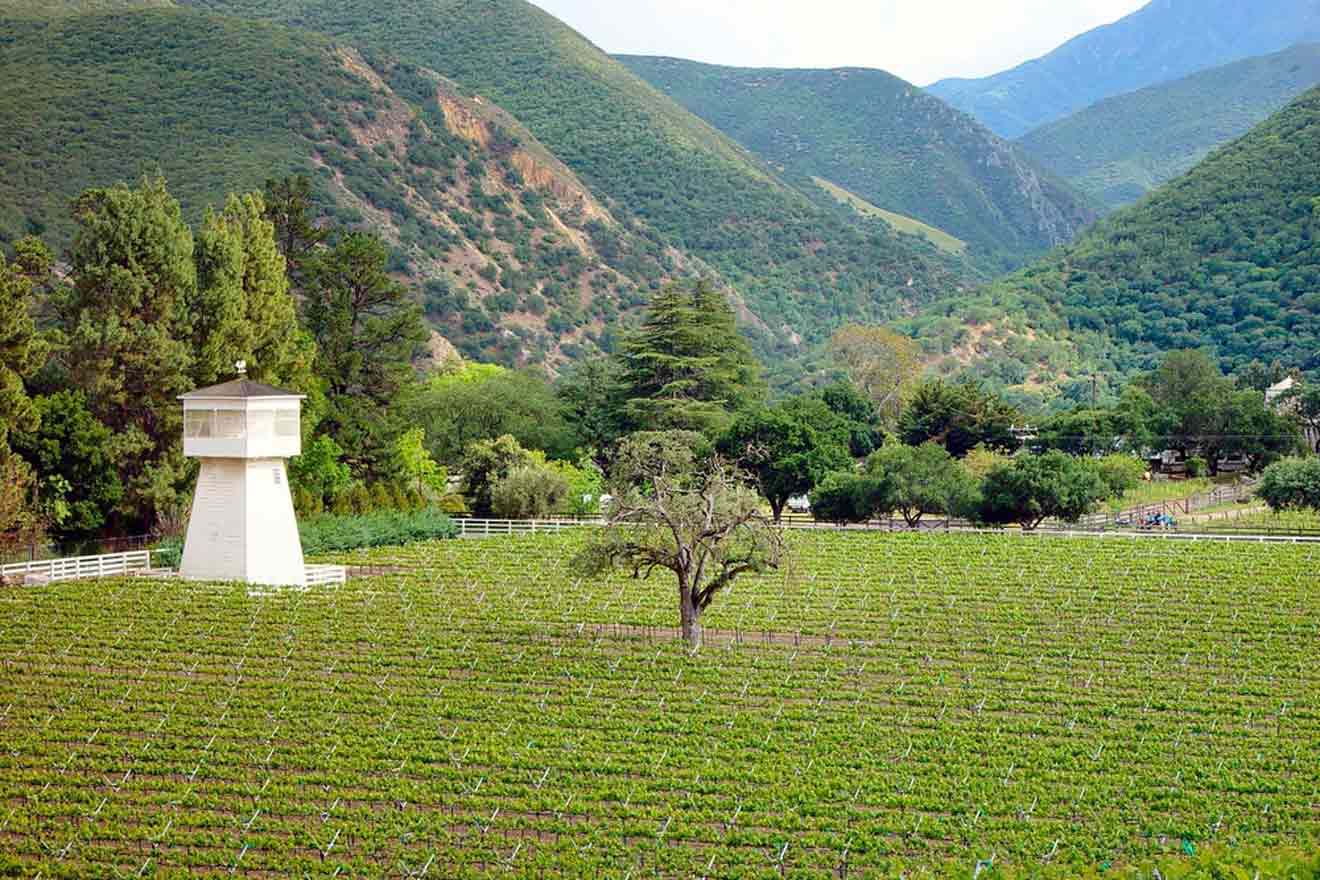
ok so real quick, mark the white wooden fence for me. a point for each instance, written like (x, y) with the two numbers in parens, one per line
(125, 564)
(77, 567)
(486, 528)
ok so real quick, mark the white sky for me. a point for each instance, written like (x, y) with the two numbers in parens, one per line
(919, 40)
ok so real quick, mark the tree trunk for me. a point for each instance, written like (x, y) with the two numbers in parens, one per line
(777, 508)
(691, 617)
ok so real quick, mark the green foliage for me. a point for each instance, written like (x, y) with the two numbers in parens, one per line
(591, 393)
(1305, 406)
(217, 106)
(415, 465)
(21, 522)
(329, 534)
(858, 412)
(290, 206)
(586, 485)
(1121, 148)
(22, 351)
(243, 309)
(788, 448)
(845, 497)
(1226, 257)
(320, 469)
(485, 464)
(367, 330)
(1033, 488)
(916, 480)
(529, 491)
(1121, 473)
(852, 126)
(959, 417)
(124, 327)
(71, 445)
(1291, 484)
(687, 367)
(485, 401)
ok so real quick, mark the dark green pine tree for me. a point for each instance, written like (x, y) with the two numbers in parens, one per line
(22, 351)
(687, 367)
(367, 329)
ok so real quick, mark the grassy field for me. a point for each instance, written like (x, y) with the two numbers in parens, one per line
(895, 704)
(938, 237)
(1266, 521)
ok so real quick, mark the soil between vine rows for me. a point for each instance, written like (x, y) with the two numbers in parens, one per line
(894, 703)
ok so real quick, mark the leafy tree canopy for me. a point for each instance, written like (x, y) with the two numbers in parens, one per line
(958, 416)
(1032, 488)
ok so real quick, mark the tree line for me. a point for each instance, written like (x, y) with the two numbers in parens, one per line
(96, 346)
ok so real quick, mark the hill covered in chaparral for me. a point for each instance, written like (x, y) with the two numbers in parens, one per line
(887, 142)
(1123, 147)
(1163, 41)
(1226, 257)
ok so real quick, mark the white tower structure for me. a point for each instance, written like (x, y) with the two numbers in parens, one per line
(242, 526)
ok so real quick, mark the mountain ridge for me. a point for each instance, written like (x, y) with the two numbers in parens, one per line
(885, 140)
(801, 266)
(514, 257)
(1162, 41)
(1226, 257)
(1121, 148)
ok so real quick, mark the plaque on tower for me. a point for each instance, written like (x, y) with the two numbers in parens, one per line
(242, 526)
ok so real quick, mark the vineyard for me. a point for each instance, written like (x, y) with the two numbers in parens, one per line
(893, 704)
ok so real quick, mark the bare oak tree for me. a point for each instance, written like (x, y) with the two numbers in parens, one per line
(694, 515)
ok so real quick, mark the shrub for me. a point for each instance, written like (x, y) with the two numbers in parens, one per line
(529, 492)
(846, 498)
(167, 554)
(342, 505)
(1122, 473)
(328, 534)
(1291, 484)
(1197, 467)
(382, 498)
(360, 501)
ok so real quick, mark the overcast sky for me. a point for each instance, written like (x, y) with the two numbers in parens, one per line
(919, 40)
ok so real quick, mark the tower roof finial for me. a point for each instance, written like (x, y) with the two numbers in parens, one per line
(241, 367)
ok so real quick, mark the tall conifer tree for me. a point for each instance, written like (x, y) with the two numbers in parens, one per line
(687, 367)
(125, 324)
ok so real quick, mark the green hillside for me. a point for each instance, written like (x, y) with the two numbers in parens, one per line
(887, 141)
(1227, 256)
(48, 8)
(802, 266)
(515, 258)
(1163, 41)
(1121, 148)
(902, 223)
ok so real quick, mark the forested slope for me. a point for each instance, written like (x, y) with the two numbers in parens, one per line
(887, 141)
(801, 266)
(1123, 147)
(1226, 257)
(1163, 41)
(514, 257)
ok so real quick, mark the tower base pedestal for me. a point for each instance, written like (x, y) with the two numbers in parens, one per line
(243, 526)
